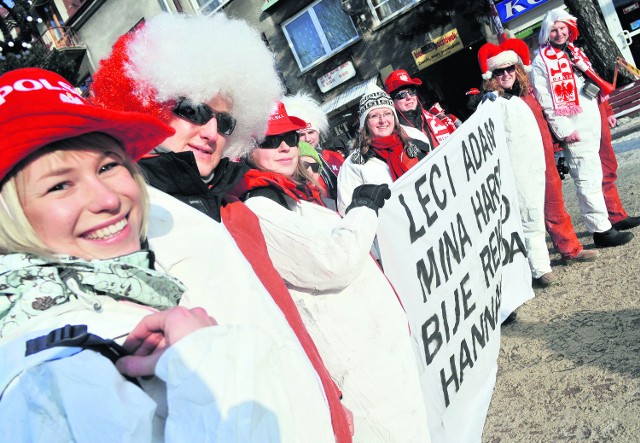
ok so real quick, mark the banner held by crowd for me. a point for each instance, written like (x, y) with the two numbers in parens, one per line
(451, 244)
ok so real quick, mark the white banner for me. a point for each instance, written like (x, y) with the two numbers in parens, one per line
(451, 243)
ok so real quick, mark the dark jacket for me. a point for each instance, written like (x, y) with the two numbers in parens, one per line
(176, 173)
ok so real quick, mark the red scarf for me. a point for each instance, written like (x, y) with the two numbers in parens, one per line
(255, 179)
(437, 129)
(562, 82)
(390, 149)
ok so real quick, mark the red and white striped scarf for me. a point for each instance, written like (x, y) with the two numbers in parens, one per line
(564, 90)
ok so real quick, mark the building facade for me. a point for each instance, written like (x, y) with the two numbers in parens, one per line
(333, 49)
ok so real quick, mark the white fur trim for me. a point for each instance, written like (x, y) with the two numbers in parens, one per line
(527, 68)
(487, 75)
(505, 58)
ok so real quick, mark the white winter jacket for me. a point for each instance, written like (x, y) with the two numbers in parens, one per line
(562, 125)
(583, 157)
(202, 254)
(219, 384)
(526, 152)
(258, 384)
(351, 312)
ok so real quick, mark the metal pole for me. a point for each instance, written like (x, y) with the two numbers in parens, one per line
(497, 23)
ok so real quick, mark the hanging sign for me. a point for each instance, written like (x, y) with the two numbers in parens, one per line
(510, 9)
(437, 49)
(336, 76)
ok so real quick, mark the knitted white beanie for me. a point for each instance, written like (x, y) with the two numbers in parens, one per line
(374, 98)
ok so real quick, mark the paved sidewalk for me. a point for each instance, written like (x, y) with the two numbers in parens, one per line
(569, 367)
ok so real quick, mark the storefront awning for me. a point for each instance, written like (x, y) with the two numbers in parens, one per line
(351, 94)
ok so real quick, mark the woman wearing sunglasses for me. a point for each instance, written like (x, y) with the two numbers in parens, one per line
(347, 304)
(434, 123)
(557, 220)
(384, 150)
(75, 274)
(312, 162)
(191, 73)
(505, 75)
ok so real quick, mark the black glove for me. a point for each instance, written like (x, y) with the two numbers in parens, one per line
(371, 196)
(562, 167)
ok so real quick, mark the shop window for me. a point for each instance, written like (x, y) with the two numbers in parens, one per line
(384, 10)
(208, 7)
(318, 32)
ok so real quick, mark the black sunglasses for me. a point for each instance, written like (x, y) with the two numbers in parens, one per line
(404, 93)
(291, 138)
(315, 167)
(500, 71)
(200, 114)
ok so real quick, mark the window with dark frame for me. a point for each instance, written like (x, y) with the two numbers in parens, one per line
(318, 32)
(384, 10)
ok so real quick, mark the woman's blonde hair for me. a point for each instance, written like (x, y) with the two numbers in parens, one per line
(16, 232)
(366, 138)
(521, 77)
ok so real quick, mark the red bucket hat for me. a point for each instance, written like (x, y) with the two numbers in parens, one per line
(280, 122)
(39, 107)
(398, 79)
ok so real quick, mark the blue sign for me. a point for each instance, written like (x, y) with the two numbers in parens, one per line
(510, 9)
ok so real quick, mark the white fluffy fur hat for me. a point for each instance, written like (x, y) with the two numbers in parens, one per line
(303, 106)
(174, 55)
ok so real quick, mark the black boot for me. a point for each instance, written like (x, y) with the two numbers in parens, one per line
(611, 238)
(627, 223)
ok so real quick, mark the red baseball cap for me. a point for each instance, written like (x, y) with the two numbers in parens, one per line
(398, 79)
(39, 107)
(280, 122)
